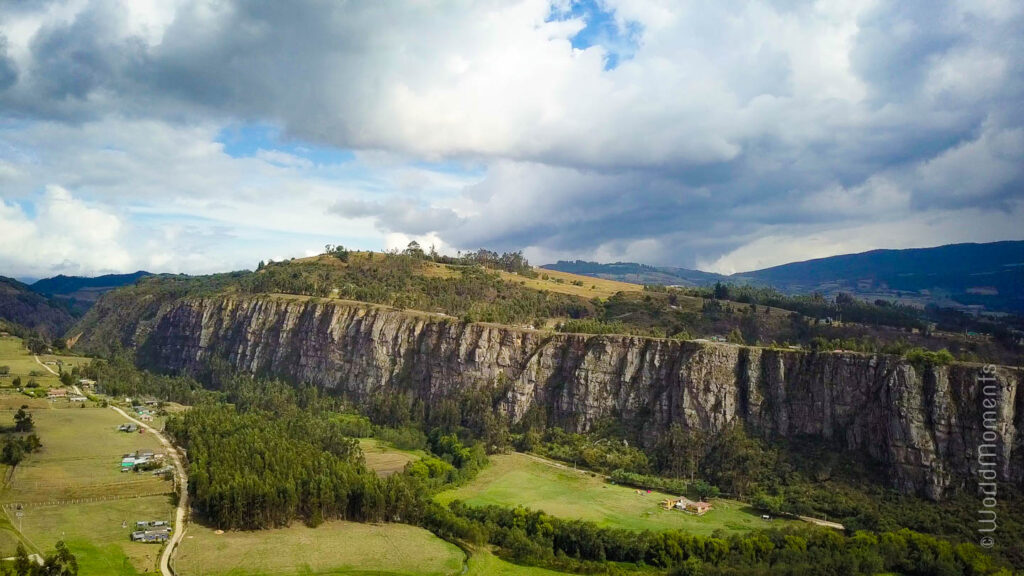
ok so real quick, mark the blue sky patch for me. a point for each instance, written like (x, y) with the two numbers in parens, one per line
(620, 42)
(242, 141)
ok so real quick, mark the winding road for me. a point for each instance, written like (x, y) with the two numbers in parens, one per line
(181, 479)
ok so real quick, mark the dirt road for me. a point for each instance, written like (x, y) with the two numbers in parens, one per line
(52, 371)
(181, 478)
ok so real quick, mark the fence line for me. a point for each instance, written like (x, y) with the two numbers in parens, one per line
(82, 500)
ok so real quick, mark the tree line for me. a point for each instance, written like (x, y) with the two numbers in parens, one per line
(533, 537)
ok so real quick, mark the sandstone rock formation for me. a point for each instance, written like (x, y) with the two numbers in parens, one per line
(924, 423)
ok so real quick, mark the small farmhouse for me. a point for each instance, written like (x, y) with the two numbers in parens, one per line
(56, 393)
(688, 506)
(151, 536)
(698, 508)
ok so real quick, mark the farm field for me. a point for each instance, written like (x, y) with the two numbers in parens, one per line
(11, 400)
(517, 479)
(81, 458)
(334, 547)
(23, 364)
(94, 532)
(386, 460)
(72, 489)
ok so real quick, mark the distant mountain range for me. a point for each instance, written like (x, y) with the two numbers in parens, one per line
(639, 273)
(80, 292)
(988, 275)
(86, 287)
(50, 306)
(20, 305)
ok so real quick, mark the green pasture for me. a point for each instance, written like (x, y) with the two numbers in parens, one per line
(522, 480)
(332, 548)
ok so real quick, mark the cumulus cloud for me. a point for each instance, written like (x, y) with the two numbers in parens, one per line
(65, 234)
(400, 215)
(690, 133)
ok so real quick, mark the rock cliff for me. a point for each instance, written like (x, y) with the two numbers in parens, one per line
(925, 424)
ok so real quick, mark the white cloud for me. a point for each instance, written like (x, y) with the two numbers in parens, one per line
(729, 128)
(65, 234)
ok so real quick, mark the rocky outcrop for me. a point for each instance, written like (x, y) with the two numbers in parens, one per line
(924, 423)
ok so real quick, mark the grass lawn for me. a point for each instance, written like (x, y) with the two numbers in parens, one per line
(94, 533)
(332, 548)
(384, 459)
(517, 479)
(81, 458)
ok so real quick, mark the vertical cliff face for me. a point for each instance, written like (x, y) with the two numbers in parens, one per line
(926, 424)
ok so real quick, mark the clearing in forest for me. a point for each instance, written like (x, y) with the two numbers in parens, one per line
(384, 459)
(520, 480)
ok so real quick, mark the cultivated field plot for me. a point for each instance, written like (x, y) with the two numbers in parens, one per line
(386, 460)
(562, 282)
(21, 363)
(331, 548)
(80, 459)
(517, 479)
(98, 533)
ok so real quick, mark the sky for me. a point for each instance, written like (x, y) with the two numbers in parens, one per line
(206, 135)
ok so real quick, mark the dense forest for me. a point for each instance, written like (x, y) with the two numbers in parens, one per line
(276, 454)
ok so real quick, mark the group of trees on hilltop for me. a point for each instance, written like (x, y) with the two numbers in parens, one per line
(507, 261)
(474, 293)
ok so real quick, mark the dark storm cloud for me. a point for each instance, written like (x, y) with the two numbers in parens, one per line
(398, 215)
(8, 69)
